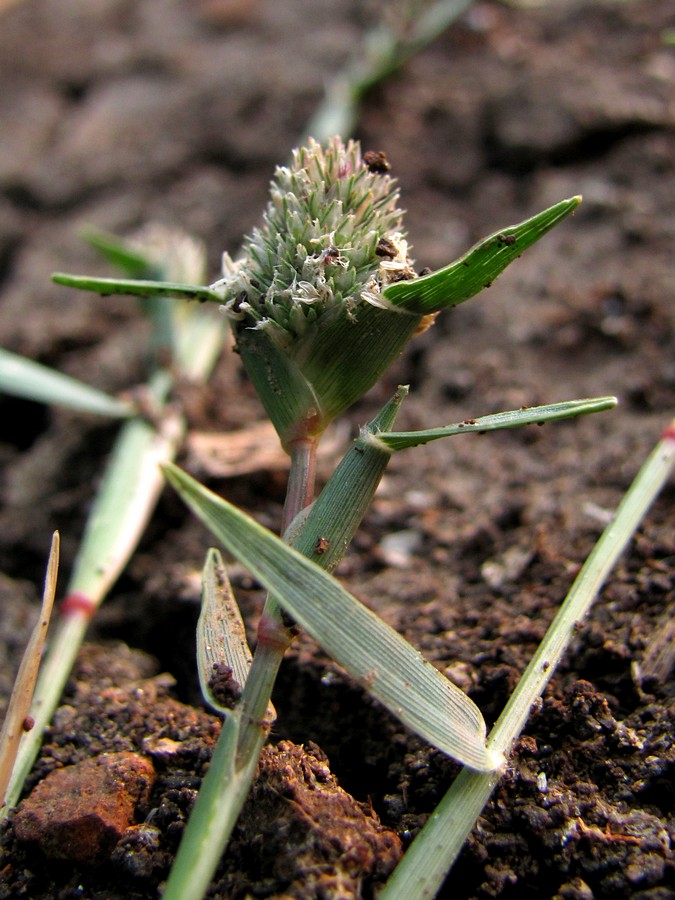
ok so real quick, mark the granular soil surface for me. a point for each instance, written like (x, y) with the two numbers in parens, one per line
(115, 114)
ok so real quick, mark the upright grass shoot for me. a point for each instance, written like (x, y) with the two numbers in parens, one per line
(322, 299)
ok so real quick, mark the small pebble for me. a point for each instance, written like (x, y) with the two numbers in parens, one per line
(81, 811)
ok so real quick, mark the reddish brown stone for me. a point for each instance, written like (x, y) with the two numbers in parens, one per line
(81, 811)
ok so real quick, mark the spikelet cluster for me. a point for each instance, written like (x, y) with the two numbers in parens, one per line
(331, 239)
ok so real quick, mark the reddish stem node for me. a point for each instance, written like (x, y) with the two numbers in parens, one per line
(76, 603)
(273, 633)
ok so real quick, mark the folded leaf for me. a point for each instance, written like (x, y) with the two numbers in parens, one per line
(221, 637)
(305, 386)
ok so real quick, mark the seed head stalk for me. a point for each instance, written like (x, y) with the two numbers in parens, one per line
(301, 479)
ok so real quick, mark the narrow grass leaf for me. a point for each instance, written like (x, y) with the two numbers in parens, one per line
(136, 287)
(120, 253)
(385, 664)
(535, 415)
(478, 267)
(25, 378)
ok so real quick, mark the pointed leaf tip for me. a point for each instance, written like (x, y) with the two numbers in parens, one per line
(136, 287)
(478, 267)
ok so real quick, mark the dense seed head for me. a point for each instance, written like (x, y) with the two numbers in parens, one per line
(331, 238)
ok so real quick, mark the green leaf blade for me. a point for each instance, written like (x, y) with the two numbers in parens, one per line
(120, 253)
(386, 665)
(136, 287)
(516, 418)
(478, 268)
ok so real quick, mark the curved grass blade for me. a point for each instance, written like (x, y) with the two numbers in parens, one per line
(385, 664)
(221, 636)
(25, 378)
(478, 267)
(535, 415)
(24, 686)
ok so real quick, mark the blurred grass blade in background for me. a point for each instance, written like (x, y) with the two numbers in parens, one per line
(25, 378)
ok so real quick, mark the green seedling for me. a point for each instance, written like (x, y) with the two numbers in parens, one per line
(321, 301)
(186, 340)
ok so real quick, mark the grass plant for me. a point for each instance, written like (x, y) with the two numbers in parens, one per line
(185, 342)
(321, 301)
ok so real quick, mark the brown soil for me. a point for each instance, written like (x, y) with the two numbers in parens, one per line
(116, 113)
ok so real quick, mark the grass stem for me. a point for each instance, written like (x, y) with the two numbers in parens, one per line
(301, 479)
(219, 802)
